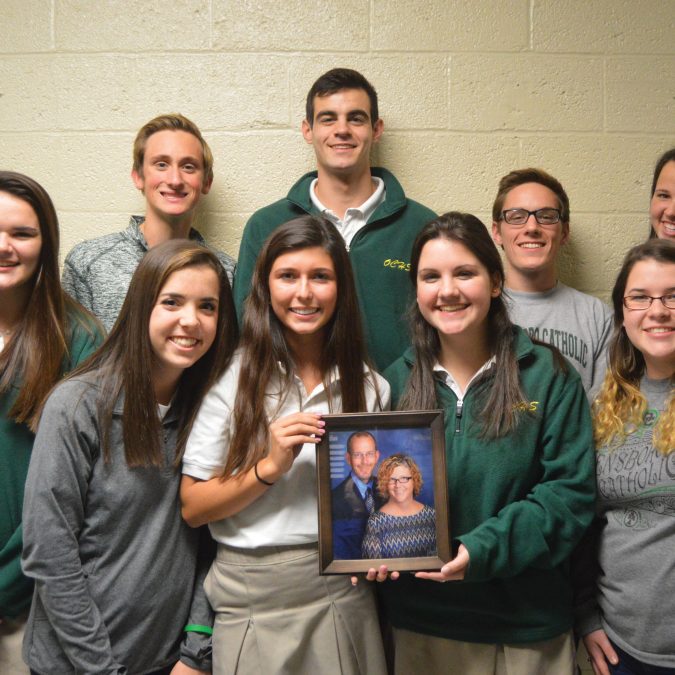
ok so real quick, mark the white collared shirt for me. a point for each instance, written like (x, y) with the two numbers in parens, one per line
(286, 513)
(355, 218)
(446, 376)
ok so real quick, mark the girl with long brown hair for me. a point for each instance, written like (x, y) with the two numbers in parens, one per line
(625, 614)
(662, 204)
(43, 334)
(519, 465)
(114, 563)
(249, 467)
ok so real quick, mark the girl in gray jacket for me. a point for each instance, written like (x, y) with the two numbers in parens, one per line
(114, 564)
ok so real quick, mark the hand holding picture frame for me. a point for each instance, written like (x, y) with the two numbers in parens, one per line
(383, 496)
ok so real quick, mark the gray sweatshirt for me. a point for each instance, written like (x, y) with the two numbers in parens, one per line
(634, 600)
(97, 272)
(113, 562)
(579, 325)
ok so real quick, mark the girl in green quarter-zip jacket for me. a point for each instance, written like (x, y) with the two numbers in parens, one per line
(43, 335)
(520, 470)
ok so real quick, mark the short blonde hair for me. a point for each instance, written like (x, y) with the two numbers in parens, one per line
(171, 122)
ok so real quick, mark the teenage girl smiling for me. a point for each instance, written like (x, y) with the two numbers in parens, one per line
(250, 466)
(43, 334)
(519, 461)
(115, 566)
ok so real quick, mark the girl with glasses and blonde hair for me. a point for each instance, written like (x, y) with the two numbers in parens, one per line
(625, 609)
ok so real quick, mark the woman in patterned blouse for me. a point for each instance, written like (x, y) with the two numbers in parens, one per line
(403, 527)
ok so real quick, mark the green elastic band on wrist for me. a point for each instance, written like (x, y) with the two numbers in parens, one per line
(196, 628)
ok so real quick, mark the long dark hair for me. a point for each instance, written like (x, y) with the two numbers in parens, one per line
(667, 156)
(500, 404)
(124, 362)
(35, 356)
(620, 403)
(265, 355)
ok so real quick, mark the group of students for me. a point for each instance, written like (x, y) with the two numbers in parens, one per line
(176, 420)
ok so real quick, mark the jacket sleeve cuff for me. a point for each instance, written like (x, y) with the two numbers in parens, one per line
(587, 619)
(195, 650)
(477, 568)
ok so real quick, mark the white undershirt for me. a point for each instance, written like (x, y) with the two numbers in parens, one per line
(446, 376)
(355, 218)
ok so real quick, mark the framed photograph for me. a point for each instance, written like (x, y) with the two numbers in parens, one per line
(383, 492)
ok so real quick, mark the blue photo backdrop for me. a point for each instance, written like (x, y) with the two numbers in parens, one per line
(415, 441)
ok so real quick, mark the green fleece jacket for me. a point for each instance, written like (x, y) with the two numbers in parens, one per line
(379, 253)
(16, 444)
(519, 504)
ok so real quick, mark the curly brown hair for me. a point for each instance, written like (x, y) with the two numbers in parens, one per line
(387, 468)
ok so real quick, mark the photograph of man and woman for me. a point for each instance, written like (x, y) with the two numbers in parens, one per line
(382, 493)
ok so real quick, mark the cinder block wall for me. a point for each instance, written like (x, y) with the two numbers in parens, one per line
(469, 89)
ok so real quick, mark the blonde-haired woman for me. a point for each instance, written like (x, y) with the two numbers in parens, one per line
(627, 618)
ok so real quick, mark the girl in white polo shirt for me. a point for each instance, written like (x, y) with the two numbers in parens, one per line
(249, 466)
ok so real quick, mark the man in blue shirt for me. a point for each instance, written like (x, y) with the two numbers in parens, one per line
(356, 497)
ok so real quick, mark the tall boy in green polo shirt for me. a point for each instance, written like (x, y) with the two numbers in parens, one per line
(367, 205)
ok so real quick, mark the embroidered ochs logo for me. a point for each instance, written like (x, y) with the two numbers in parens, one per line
(396, 264)
(526, 406)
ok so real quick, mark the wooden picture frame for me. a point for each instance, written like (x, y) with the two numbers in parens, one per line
(417, 434)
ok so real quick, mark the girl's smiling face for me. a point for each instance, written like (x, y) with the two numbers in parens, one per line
(454, 289)
(652, 330)
(20, 243)
(303, 291)
(662, 206)
(184, 320)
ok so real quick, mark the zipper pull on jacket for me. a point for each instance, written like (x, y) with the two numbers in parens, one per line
(458, 415)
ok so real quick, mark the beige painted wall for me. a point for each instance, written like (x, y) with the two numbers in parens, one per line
(469, 90)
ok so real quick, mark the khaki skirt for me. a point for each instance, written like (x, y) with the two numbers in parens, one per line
(275, 614)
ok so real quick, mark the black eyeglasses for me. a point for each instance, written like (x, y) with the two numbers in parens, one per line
(403, 480)
(645, 301)
(545, 216)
